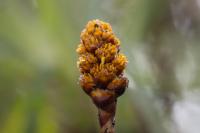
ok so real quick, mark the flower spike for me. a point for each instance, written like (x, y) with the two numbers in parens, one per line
(102, 70)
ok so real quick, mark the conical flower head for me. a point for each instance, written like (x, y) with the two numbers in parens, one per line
(101, 64)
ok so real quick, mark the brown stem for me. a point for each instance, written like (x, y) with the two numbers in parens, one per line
(107, 118)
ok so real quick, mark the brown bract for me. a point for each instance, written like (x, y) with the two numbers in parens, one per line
(101, 64)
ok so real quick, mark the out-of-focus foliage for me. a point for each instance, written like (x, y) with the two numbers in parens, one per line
(38, 74)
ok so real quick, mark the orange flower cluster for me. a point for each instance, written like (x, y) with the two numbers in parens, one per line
(100, 63)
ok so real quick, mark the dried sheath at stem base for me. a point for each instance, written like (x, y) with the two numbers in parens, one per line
(101, 66)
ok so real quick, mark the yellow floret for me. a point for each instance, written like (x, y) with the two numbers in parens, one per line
(108, 51)
(103, 74)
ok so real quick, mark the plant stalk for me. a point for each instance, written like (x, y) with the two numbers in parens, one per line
(107, 118)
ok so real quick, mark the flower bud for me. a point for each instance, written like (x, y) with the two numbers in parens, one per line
(118, 85)
(87, 83)
(101, 64)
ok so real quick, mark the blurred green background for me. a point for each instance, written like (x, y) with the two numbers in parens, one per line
(39, 91)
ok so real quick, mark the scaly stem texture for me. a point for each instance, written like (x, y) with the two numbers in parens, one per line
(107, 118)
